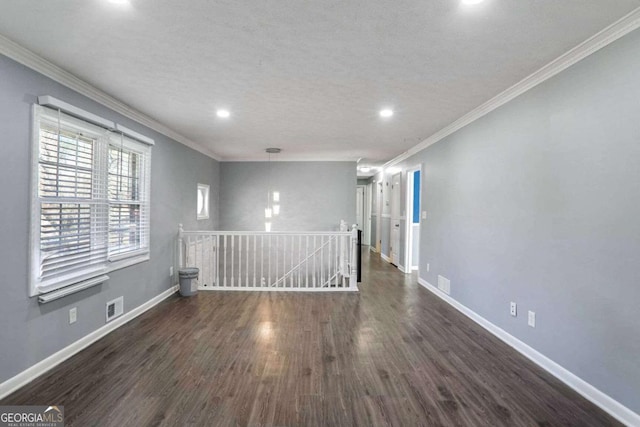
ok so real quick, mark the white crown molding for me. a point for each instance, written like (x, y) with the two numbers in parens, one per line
(618, 29)
(45, 365)
(255, 159)
(602, 400)
(29, 59)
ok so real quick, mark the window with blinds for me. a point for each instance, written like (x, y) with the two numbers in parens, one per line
(90, 210)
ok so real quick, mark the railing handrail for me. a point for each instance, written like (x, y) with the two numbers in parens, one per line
(265, 233)
(333, 260)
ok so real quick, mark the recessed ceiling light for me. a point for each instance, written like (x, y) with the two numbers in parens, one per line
(471, 2)
(223, 114)
(364, 169)
(386, 113)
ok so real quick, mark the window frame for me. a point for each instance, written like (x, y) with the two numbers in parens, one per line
(102, 137)
(205, 190)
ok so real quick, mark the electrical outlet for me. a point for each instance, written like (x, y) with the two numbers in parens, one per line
(532, 319)
(171, 271)
(514, 309)
(73, 315)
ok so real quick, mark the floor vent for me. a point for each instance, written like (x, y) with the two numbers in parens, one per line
(115, 308)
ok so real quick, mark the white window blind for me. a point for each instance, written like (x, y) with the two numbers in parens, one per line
(128, 189)
(90, 200)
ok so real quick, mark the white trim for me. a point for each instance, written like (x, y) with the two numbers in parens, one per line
(277, 289)
(415, 268)
(57, 104)
(409, 224)
(40, 368)
(135, 135)
(384, 257)
(401, 268)
(613, 32)
(63, 292)
(602, 400)
(372, 248)
(29, 59)
(385, 215)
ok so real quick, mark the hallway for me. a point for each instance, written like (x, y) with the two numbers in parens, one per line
(392, 354)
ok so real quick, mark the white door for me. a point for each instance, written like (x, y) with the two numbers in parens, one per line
(360, 207)
(367, 214)
(395, 219)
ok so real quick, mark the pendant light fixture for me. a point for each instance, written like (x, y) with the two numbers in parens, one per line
(273, 197)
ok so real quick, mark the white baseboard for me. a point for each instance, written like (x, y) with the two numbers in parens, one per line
(384, 257)
(372, 249)
(401, 268)
(30, 374)
(415, 268)
(602, 400)
(269, 289)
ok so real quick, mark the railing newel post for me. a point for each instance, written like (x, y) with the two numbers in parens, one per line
(353, 278)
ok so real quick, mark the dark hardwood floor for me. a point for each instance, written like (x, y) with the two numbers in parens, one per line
(393, 354)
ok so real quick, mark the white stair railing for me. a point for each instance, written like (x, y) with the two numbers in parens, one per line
(271, 261)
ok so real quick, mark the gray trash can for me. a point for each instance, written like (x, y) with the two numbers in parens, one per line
(188, 284)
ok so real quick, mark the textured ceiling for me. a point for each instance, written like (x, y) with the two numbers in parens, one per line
(306, 76)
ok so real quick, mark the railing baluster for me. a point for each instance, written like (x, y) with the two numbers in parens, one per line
(225, 260)
(217, 261)
(343, 274)
(336, 267)
(322, 261)
(269, 282)
(198, 251)
(284, 260)
(300, 259)
(255, 255)
(291, 261)
(239, 260)
(306, 273)
(233, 261)
(246, 280)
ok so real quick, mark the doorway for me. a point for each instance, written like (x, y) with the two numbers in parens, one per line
(394, 244)
(363, 211)
(412, 245)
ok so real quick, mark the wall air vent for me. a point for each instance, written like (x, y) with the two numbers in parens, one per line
(115, 308)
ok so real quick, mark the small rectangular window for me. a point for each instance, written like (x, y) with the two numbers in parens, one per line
(202, 202)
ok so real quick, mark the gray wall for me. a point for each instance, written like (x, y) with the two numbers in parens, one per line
(30, 332)
(314, 196)
(538, 203)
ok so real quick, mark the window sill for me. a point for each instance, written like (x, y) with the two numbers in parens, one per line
(87, 282)
(117, 263)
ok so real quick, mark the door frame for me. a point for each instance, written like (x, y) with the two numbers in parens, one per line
(408, 249)
(368, 194)
(366, 212)
(395, 250)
